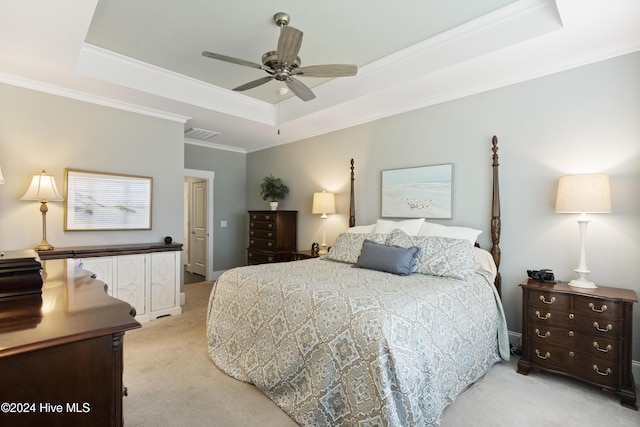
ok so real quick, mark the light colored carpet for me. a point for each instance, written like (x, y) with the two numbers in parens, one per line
(172, 382)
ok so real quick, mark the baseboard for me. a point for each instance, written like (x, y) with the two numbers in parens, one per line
(515, 339)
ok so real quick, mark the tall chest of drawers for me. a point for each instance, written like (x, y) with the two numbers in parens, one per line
(582, 333)
(272, 236)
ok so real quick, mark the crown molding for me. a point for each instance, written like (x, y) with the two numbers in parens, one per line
(88, 97)
(122, 70)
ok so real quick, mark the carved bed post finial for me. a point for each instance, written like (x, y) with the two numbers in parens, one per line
(495, 215)
(352, 206)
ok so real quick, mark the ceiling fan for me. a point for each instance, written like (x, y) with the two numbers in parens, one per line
(283, 64)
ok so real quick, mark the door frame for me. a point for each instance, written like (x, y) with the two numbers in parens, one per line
(209, 176)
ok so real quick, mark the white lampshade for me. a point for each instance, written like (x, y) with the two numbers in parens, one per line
(586, 193)
(323, 203)
(1, 177)
(43, 188)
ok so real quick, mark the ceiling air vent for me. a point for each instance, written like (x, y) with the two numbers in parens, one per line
(200, 134)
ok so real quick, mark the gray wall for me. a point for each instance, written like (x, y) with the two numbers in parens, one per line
(578, 121)
(229, 202)
(41, 131)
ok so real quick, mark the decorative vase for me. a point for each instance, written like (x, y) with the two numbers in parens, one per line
(273, 205)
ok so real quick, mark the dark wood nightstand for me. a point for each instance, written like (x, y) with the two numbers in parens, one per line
(299, 255)
(581, 333)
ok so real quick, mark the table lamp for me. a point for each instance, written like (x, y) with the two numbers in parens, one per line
(583, 194)
(323, 203)
(43, 189)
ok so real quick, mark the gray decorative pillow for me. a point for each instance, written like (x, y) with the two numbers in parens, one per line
(439, 256)
(390, 259)
(348, 246)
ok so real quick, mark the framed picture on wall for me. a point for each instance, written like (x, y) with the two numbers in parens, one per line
(106, 201)
(422, 192)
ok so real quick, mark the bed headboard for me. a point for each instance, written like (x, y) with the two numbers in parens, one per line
(495, 211)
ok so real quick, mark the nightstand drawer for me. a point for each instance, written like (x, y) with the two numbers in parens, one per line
(597, 308)
(549, 300)
(593, 369)
(543, 335)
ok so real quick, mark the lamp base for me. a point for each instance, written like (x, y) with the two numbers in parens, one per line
(582, 283)
(44, 246)
(323, 249)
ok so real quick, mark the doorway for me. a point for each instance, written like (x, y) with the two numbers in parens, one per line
(198, 225)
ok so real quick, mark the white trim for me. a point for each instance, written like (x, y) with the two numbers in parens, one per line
(88, 97)
(209, 176)
(123, 70)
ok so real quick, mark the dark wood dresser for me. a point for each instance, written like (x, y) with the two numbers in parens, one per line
(61, 352)
(582, 333)
(272, 236)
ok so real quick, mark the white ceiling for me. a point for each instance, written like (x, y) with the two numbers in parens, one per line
(145, 55)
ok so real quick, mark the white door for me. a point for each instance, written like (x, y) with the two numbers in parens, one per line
(199, 233)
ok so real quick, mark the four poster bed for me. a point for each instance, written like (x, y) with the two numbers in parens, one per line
(387, 329)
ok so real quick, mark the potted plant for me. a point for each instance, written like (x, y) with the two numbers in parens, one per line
(273, 189)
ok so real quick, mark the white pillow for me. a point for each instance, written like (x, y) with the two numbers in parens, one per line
(486, 263)
(362, 229)
(409, 226)
(452, 232)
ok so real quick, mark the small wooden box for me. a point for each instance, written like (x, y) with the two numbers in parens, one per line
(20, 273)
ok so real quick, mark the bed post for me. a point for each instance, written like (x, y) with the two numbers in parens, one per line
(352, 205)
(495, 216)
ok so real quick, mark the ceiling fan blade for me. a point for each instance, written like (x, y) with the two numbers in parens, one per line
(289, 44)
(299, 89)
(253, 84)
(234, 60)
(328, 70)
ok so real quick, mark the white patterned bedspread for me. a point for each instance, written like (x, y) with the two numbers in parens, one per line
(335, 345)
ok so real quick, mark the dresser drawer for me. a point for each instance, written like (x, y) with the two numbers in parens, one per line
(262, 234)
(262, 216)
(262, 244)
(258, 257)
(262, 225)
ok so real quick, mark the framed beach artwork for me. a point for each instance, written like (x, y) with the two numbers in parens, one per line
(422, 192)
(106, 201)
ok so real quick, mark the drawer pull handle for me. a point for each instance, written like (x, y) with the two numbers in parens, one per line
(544, 300)
(270, 258)
(270, 234)
(599, 372)
(607, 349)
(606, 329)
(571, 316)
(545, 356)
(571, 354)
(270, 244)
(270, 225)
(546, 316)
(546, 334)
(252, 241)
(600, 310)
(571, 333)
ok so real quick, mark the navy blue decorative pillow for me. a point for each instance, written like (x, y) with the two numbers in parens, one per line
(390, 259)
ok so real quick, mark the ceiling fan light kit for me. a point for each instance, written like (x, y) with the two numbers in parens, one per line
(284, 63)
